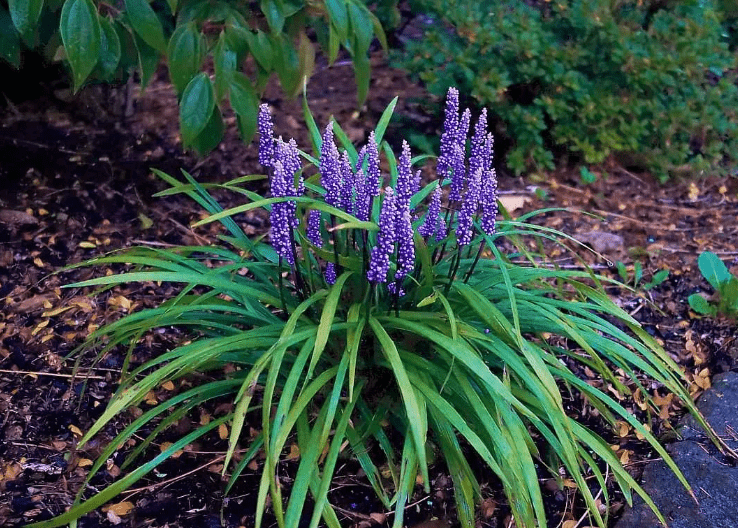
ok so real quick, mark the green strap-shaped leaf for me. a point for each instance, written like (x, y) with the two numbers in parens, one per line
(110, 49)
(145, 22)
(25, 15)
(185, 54)
(196, 107)
(9, 41)
(245, 103)
(80, 33)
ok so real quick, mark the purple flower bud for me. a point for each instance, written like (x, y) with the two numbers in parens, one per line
(313, 228)
(457, 180)
(392, 287)
(346, 201)
(431, 224)
(448, 136)
(374, 176)
(405, 244)
(280, 232)
(488, 196)
(404, 177)
(379, 261)
(478, 160)
(266, 136)
(469, 206)
(330, 273)
(330, 168)
(442, 229)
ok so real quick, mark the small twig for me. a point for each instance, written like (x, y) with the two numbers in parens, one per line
(156, 485)
(58, 375)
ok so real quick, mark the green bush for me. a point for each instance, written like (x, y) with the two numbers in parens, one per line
(650, 82)
(366, 320)
(104, 43)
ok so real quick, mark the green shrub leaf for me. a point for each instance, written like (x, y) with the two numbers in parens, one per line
(148, 59)
(338, 15)
(25, 15)
(80, 33)
(245, 103)
(9, 41)
(196, 107)
(224, 60)
(110, 49)
(211, 135)
(145, 22)
(272, 10)
(361, 23)
(185, 54)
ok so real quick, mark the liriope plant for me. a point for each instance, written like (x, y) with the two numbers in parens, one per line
(383, 307)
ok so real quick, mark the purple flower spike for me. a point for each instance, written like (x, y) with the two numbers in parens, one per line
(442, 229)
(404, 177)
(478, 158)
(431, 224)
(468, 209)
(406, 245)
(266, 136)
(374, 176)
(363, 198)
(280, 232)
(346, 201)
(313, 228)
(488, 198)
(448, 137)
(379, 261)
(330, 168)
(330, 273)
(459, 173)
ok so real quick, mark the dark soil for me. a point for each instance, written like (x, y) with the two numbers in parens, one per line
(75, 182)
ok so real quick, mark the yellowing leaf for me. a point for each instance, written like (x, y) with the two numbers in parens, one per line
(121, 508)
(75, 430)
(223, 432)
(294, 452)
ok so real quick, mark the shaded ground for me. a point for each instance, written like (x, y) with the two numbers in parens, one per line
(75, 183)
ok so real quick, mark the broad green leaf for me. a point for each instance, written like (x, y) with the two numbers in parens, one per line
(110, 49)
(196, 107)
(306, 58)
(148, 59)
(80, 32)
(700, 305)
(245, 104)
(211, 135)
(334, 44)
(224, 61)
(237, 39)
(173, 5)
(185, 55)
(9, 40)
(713, 269)
(25, 15)
(145, 22)
(361, 24)
(261, 48)
(287, 63)
(272, 10)
(338, 15)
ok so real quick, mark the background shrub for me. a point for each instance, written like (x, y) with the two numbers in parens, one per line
(652, 82)
(104, 42)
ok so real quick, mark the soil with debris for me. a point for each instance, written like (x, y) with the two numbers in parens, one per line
(75, 182)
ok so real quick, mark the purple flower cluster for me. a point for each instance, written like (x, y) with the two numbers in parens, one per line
(434, 224)
(330, 168)
(407, 185)
(284, 158)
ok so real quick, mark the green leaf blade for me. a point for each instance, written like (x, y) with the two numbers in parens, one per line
(80, 33)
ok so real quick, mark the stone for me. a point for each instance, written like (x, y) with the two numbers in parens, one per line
(713, 476)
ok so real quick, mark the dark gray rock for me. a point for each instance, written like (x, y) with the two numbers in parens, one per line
(713, 477)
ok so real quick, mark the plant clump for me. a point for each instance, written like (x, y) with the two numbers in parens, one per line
(382, 321)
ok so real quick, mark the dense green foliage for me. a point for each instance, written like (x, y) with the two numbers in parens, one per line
(473, 364)
(651, 82)
(105, 43)
(722, 281)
